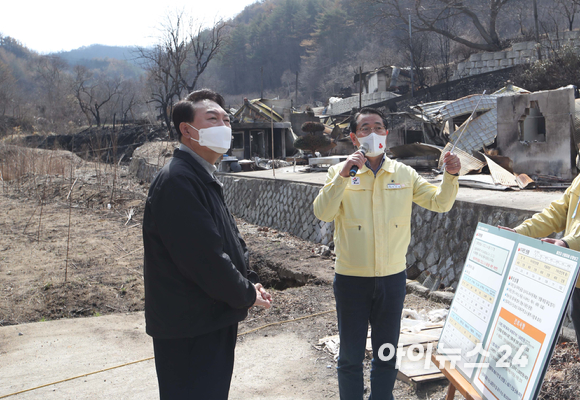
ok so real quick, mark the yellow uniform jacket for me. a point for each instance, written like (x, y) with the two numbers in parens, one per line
(372, 215)
(560, 215)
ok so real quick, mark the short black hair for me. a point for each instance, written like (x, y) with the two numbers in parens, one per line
(206, 94)
(363, 111)
(184, 110)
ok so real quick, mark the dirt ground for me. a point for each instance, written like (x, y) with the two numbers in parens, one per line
(70, 246)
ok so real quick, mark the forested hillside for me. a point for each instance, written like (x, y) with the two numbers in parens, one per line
(270, 42)
(306, 50)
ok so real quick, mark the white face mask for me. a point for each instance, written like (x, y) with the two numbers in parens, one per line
(375, 143)
(216, 138)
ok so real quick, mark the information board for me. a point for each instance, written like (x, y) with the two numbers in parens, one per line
(507, 311)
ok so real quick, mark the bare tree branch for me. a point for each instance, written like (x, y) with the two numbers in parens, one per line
(430, 16)
(205, 46)
(175, 64)
(93, 92)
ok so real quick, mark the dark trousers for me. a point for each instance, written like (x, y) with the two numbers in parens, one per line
(196, 368)
(575, 312)
(360, 300)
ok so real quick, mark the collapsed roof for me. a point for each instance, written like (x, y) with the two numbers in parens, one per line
(480, 131)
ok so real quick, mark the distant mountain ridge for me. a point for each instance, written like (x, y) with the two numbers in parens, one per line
(98, 56)
(99, 51)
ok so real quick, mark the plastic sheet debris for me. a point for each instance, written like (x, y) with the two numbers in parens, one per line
(468, 162)
(262, 163)
(501, 176)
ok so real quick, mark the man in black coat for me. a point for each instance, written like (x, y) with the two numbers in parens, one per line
(197, 282)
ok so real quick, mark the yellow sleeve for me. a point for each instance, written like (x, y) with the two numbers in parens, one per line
(436, 198)
(327, 203)
(551, 219)
(573, 238)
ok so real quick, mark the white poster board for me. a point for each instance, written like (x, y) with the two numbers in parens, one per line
(507, 312)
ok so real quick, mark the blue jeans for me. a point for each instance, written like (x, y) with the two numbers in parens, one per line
(360, 300)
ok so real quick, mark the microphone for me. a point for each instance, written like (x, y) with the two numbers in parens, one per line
(354, 169)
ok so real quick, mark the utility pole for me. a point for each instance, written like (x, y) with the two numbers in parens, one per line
(261, 83)
(272, 130)
(296, 95)
(412, 63)
(538, 45)
(360, 82)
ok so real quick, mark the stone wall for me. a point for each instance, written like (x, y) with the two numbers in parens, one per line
(519, 53)
(439, 242)
(279, 204)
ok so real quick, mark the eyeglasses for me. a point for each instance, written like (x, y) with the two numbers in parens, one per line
(367, 130)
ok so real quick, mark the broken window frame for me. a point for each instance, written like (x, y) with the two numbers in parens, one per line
(526, 132)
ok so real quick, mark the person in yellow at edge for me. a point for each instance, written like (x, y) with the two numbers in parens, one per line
(561, 215)
(372, 216)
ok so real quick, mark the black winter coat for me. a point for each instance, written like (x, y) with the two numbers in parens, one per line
(196, 263)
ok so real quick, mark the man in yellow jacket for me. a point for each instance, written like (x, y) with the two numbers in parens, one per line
(372, 216)
(561, 215)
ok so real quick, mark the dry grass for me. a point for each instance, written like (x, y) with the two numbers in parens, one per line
(16, 162)
(48, 175)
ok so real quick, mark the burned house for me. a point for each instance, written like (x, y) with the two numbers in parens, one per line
(255, 124)
(384, 79)
(376, 86)
(534, 130)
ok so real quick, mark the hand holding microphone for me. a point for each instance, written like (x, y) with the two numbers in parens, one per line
(355, 161)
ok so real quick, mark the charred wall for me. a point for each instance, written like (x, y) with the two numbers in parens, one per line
(550, 151)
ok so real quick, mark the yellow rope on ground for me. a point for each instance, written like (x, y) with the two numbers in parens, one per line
(151, 358)
(282, 322)
(75, 377)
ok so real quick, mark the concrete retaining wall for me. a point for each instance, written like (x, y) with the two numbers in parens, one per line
(519, 53)
(439, 242)
(283, 205)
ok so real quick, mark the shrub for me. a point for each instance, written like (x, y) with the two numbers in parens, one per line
(562, 68)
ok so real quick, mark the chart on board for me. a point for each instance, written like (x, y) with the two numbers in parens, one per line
(476, 298)
(509, 304)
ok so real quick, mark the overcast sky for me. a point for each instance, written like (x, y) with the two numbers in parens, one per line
(50, 26)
